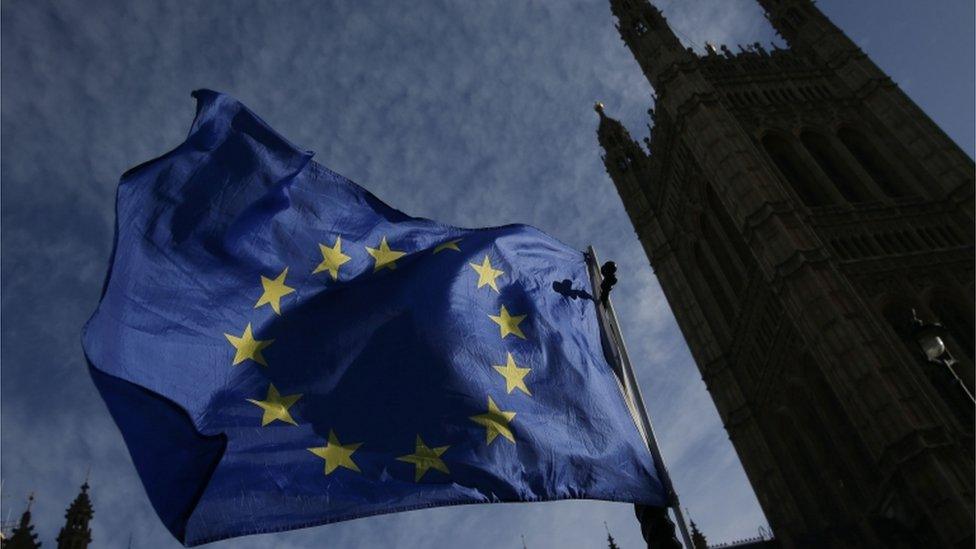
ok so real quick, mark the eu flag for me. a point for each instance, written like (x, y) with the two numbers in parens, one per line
(281, 349)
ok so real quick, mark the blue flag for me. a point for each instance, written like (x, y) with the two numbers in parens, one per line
(280, 349)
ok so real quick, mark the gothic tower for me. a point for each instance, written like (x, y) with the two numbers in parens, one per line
(23, 536)
(812, 230)
(76, 534)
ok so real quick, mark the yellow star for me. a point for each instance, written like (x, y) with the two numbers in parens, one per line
(495, 422)
(336, 455)
(486, 275)
(276, 406)
(384, 256)
(247, 347)
(425, 458)
(514, 376)
(332, 259)
(449, 245)
(274, 290)
(508, 324)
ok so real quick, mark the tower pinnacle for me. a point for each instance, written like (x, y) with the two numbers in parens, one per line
(624, 159)
(76, 533)
(611, 133)
(23, 537)
(646, 32)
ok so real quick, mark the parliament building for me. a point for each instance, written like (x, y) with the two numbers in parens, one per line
(813, 232)
(75, 534)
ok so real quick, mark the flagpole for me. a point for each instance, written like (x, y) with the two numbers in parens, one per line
(628, 380)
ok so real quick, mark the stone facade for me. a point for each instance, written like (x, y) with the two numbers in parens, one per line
(796, 206)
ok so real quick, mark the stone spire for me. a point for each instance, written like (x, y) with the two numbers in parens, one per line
(622, 152)
(646, 32)
(806, 28)
(23, 537)
(625, 161)
(76, 534)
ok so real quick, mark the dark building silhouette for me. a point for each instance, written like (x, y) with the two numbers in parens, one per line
(698, 540)
(23, 536)
(76, 534)
(812, 230)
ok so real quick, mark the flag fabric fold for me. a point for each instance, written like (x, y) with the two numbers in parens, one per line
(281, 349)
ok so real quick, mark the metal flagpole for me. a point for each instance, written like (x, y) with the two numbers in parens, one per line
(622, 366)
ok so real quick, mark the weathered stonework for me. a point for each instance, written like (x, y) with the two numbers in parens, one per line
(796, 205)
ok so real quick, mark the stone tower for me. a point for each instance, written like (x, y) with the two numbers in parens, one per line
(23, 536)
(812, 230)
(76, 533)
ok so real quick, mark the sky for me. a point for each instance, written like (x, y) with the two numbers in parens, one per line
(470, 113)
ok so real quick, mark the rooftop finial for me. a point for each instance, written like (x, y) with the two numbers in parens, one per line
(598, 107)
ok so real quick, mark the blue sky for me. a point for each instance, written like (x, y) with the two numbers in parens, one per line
(471, 113)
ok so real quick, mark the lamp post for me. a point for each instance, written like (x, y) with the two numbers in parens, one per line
(930, 338)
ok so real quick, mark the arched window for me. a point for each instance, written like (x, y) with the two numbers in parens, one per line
(950, 235)
(957, 235)
(933, 237)
(926, 240)
(873, 162)
(713, 283)
(719, 247)
(784, 156)
(794, 455)
(862, 247)
(873, 245)
(910, 241)
(795, 15)
(725, 220)
(833, 166)
(896, 242)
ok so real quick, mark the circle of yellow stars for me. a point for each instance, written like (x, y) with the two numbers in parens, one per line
(336, 455)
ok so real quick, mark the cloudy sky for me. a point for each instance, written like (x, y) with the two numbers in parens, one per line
(471, 113)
